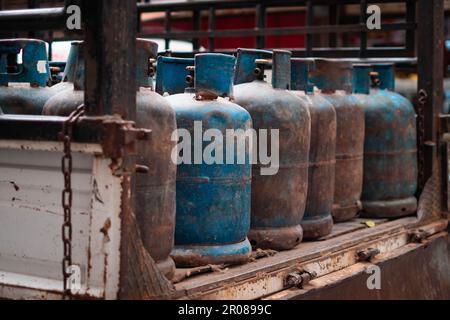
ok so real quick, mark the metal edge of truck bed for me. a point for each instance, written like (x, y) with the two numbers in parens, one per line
(267, 276)
(415, 271)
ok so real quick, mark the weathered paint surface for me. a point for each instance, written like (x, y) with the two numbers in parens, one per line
(334, 78)
(23, 85)
(431, 276)
(278, 201)
(390, 150)
(267, 276)
(31, 218)
(245, 64)
(213, 201)
(171, 74)
(318, 221)
(155, 189)
(220, 85)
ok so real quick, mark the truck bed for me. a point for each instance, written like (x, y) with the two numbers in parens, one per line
(331, 257)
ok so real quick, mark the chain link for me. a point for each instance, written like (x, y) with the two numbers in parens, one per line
(67, 195)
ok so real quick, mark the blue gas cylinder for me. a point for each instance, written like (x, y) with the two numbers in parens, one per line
(213, 185)
(24, 74)
(390, 149)
(279, 189)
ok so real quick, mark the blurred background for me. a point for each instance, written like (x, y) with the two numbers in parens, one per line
(158, 19)
(244, 18)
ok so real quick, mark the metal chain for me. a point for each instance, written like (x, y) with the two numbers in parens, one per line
(66, 167)
(422, 100)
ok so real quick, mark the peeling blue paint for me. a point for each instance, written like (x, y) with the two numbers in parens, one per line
(171, 74)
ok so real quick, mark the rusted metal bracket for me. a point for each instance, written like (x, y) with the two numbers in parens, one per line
(367, 254)
(118, 137)
(299, 279)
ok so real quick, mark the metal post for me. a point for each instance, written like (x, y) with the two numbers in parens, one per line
(167, 27)
(110, 89)
(110, 50)
(333, 19)
(309, 22)
(196, 26)
(410, 33)
(33, 4)
(430, 61)
(260, 24)
(212, 28)
(363, 34)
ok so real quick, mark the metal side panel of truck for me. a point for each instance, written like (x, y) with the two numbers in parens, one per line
(31, 216)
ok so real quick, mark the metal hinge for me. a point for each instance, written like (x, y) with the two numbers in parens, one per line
(299, 279)
(367, 254)
(120, 137)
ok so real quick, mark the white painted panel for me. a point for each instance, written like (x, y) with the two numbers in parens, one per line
(31, 212)
(31, 217)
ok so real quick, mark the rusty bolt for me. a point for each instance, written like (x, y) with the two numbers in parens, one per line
(190, 76)
(257, 72)
(418, 236)
(189, 80)
(299, 279)
(151, 67)
(367, 254)
(374, 77)
(293, 279)
(260, 67)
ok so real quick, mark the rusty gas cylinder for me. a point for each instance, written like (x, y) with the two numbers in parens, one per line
(24, 74)
(213, 187)
(318, 220)
(156, 178)
(278, 196)
(390, 151)
(334, 79)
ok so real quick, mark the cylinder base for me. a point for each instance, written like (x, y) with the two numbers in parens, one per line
(167, 267)
(318, 227)
(389, 209)
(342, 214)
(201, 255)
(278, 239)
